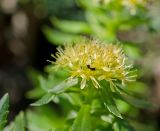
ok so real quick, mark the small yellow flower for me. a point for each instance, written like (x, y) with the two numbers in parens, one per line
(131, 4)
(95, 61)
(134, 2)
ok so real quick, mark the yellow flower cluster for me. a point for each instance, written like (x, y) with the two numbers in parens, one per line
(91, 60)
(131, 4)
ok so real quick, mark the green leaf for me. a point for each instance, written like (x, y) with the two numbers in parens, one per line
(4, 105)
(43, 83)
(44, 100)
(72, 98)
(18, 124)
(71, 26)
(33, 74)
(132, 50)
(63, 86)
(44, 118)
(138, 88)
(109, 100)
(59, 38)
(35, 93)
(134, 101)
(83, 120)
(98, 29)
(122, 125)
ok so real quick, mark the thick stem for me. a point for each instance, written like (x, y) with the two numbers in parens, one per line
(90, 93)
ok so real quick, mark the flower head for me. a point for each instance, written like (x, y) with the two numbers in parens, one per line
(95, 61)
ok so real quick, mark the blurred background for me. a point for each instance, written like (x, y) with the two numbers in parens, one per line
(30, 30)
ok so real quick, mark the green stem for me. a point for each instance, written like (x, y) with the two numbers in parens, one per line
(90, 93)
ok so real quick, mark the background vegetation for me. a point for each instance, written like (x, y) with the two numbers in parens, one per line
(30, 30)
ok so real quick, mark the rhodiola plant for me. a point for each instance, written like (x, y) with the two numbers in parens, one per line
(84, 84)
(87, 87)
(96, 75)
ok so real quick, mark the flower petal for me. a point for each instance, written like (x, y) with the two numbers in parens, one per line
(83, 83)
(95, 83)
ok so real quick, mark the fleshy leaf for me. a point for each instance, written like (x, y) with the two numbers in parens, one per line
(63, 86)
(4, 104)
(57, 37)
(72, 98)
(83, 120)
(109, 101)
(122, 125)
(18, 124)
(77, 26)
(134, 101)
(44, 100)
(43, 83)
